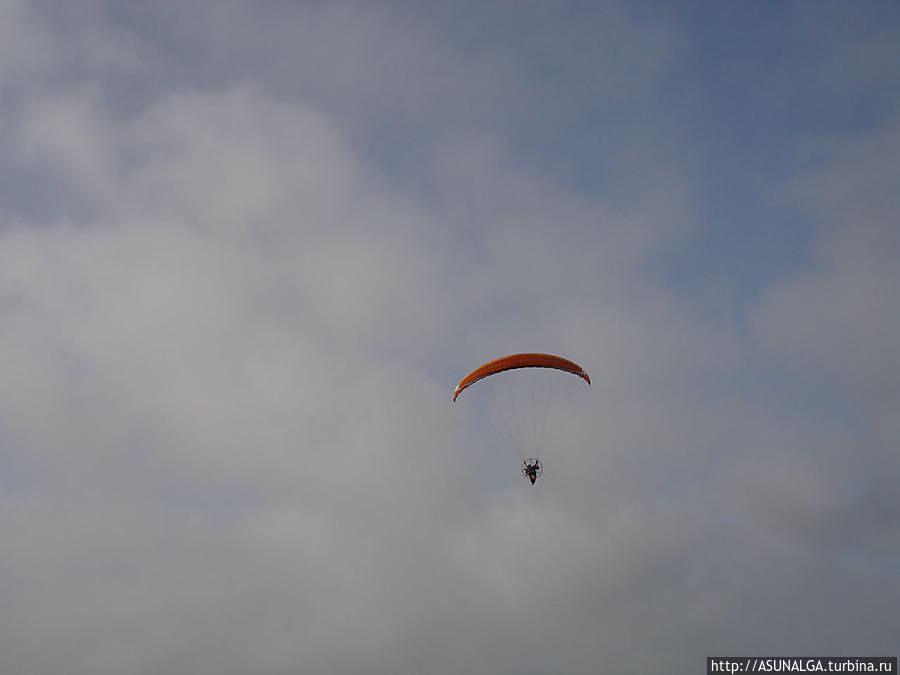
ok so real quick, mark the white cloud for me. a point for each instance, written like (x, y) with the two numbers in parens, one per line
(838, 316)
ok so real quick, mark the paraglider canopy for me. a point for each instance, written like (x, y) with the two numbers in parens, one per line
(532, 360)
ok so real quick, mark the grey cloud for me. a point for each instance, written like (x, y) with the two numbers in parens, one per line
(838, 315)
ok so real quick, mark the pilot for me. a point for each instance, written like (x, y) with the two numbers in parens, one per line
(531, 471)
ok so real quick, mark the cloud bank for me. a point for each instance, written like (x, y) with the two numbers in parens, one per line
(245, 255)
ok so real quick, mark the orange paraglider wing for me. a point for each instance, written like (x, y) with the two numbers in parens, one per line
(520, 361)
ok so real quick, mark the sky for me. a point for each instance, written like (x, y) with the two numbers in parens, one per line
(247, 249)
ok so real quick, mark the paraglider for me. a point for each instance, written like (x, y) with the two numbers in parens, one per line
(532, 467)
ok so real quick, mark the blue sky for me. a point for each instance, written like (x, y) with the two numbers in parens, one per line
(248, 249)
